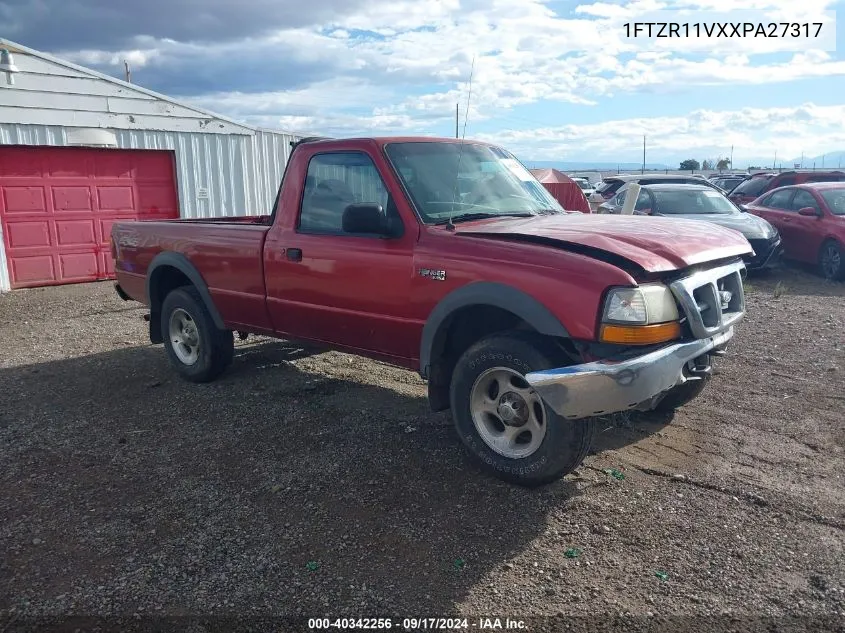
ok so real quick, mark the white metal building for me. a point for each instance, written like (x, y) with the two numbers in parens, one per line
(80, 149)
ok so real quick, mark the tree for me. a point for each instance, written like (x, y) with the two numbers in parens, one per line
(707, 164)
(689, 164)
(724, 163)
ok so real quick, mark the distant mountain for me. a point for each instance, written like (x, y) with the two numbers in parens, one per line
(831, 160)
(586, 166)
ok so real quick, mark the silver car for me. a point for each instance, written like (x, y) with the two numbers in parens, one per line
(610, 186)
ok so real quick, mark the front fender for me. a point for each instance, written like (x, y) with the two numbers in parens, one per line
(485, 293)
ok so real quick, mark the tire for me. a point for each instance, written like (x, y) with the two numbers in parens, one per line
(549, 446)
(196, 348)
(681, 395)
(832, 261)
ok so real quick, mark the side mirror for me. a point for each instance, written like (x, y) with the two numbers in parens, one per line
(808, 211)
(365, 217)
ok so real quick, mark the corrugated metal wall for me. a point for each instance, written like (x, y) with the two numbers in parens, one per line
(217, 174)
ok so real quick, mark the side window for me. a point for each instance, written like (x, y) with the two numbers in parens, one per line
(779, 199)
(334, 181)
(785, 181)
(804, 199)
(643, 201)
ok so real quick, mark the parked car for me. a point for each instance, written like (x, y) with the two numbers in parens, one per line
(728, 182)
(760, 184)
(613, 206)
(611, 185)
(586, 186)
(699, 202)
(811, 219)
(527, 321)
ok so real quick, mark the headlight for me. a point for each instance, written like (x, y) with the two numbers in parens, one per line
(645, 305)
(644, 315)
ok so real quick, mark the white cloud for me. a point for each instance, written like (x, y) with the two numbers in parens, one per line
(404, 64)
(755, 133)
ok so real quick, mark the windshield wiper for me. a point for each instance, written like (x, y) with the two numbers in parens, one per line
(464, 217)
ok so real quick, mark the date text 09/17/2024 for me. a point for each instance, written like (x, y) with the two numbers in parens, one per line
(417, 624)
(782, 30)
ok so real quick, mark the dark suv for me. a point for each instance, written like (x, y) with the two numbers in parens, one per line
(758, 184)
(728, 182)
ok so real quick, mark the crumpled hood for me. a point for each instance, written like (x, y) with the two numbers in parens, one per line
(655, 244)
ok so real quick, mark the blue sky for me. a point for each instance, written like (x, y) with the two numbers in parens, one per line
(553, 80)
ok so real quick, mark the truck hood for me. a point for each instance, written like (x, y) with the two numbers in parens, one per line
(654, 244)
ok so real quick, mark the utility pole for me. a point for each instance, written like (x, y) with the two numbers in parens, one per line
(128, 74)
(775, 164)
(457, 118)
(643, 171)
(802, 160)
(822, 161)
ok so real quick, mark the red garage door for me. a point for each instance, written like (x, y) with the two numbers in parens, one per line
(57, 206)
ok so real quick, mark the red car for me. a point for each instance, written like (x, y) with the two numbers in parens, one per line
(811, 221)
(762, 183)
(449, 258)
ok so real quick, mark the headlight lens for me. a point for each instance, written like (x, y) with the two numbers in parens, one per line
(644, 305)
(626, 305)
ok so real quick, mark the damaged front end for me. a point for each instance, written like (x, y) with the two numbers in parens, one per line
(711, 302)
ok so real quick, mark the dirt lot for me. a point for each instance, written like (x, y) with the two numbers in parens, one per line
(319, 483)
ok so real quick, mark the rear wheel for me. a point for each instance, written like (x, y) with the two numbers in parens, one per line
(832, 261)
(503, 421)
(196, 348)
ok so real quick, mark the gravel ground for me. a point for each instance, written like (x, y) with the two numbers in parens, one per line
(308, 483)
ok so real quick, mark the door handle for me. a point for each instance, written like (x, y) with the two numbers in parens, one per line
(294, 254)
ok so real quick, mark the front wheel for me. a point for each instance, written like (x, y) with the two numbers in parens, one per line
(681, 395)
(196, 348)
(832, 261)
(504, 423)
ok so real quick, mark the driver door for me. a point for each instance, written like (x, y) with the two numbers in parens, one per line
(348, 290)
(806, 231)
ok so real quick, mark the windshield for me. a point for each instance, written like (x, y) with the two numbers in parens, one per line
(692, 202)
(835, 199)
(451, 179)
(583, 184)
(752, 186)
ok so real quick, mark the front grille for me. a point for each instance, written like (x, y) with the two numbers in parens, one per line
(712, 300)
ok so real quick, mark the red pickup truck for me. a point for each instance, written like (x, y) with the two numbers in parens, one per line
(447, 257)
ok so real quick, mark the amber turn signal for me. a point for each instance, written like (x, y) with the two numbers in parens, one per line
(640, 334)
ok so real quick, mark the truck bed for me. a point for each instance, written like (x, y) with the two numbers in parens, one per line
(232, 219)
(228, 251)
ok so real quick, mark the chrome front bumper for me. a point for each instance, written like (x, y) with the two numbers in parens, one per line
(603, 387)
(711, 301)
